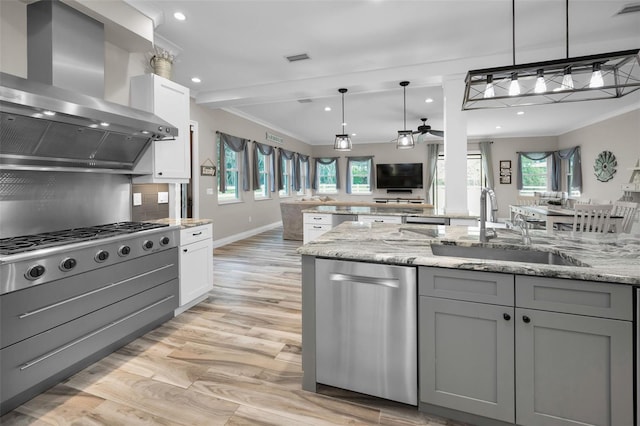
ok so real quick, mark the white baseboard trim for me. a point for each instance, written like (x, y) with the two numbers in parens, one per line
(246, 234)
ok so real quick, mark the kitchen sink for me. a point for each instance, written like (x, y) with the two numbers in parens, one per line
(518, 254)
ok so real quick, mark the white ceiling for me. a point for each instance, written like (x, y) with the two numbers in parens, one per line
(238, 49)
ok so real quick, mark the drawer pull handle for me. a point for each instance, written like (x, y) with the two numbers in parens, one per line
(195, 234)
(317, 218)
(385, 282)
(93, 333)
(317, 227)
(379, 220)
(98, 290)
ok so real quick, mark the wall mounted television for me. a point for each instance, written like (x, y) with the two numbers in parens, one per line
(399, 176)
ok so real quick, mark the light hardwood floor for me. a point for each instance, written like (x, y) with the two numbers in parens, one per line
(231, 360)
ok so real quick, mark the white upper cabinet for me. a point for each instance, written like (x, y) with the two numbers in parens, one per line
(165, 161)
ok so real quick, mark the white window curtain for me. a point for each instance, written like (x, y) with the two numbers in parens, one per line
(235, 144)
(487, 163)
(431, 166)
(289, 155)
(325, 161)
(266, 150)
(368, 158)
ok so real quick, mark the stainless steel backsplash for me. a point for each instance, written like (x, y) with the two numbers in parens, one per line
(40, 201)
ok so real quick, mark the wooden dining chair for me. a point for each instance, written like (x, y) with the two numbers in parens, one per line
(627, 210)
(592, 218)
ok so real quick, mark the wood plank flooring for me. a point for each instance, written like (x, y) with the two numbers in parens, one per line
(234, 359)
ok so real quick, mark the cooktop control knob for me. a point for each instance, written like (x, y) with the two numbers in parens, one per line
(147, 245)
(164, 241)
(67, 264)
(124, 251)
(34, 272)
(101, 256)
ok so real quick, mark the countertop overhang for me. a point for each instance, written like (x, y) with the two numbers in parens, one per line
(409, 210)
(610, 257)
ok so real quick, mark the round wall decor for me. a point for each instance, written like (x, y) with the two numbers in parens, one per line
(605, 166)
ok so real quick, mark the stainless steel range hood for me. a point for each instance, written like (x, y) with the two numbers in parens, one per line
(57, 118)
(46, 126)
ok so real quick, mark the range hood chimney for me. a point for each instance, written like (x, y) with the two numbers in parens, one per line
(65, 48)
(57, 118)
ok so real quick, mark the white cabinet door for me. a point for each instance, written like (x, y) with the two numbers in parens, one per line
(196, 270)
(167, 161)
(573, 370)
(467, 357)
(313, 231)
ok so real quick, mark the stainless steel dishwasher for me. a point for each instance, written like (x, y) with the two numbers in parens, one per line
(366, 328)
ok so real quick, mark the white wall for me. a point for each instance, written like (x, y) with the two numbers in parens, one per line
(236, 218)
(383, 153)
(506, 149)
(621, 136)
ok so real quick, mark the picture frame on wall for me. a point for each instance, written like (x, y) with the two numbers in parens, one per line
(505, 164)
(506, 179)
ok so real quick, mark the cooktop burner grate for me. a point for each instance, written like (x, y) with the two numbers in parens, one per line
(21, 244)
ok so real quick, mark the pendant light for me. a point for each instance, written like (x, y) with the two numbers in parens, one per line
(343, 141)
(583, 78)
(405, 137)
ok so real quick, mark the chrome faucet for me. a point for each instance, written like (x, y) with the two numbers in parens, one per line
(483, 214)
(520, 222)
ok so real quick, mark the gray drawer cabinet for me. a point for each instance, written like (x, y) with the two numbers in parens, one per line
(559, 353)
(466, 348)
(573, 369)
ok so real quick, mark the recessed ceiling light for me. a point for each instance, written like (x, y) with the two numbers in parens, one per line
(344, 124)
(428, 100)
(498, 127)
(196, 80)
(49, 113)
(179, 16)
(104, 124)
(520, 113)
(354, 134)
(327, 108)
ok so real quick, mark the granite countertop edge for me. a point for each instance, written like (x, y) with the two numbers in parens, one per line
(183, 223)
(410, 211)
(607, 259)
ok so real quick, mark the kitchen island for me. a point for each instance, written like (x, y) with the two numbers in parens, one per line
(499, 342)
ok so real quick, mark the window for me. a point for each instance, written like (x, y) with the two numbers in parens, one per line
(475, 182)
(263, 176)
(286, 177)
(571, 171)
(535, 175)
(232, 163)
(359, 176)
(327, 178)
(304, 172)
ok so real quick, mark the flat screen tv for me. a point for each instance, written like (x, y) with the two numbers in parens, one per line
(399, 176)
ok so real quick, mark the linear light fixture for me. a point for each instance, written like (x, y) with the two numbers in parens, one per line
(583, 78)
(604, 76)
(342, 141)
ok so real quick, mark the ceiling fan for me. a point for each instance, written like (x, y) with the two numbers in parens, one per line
(424, 128)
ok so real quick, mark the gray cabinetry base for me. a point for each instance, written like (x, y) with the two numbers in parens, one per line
(460, 416)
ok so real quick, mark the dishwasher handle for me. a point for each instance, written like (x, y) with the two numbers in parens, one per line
(385, 282)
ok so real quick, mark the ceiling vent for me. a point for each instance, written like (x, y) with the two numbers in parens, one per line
(305, 101)
(300, 57)
(630, 8)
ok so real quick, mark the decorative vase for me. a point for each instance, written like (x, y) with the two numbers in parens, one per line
(161, 66)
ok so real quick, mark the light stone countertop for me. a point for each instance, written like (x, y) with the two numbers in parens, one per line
(407, 210)
(610, 258)
(183, 223)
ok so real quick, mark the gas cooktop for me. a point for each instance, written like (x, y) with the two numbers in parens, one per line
(25, 243)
